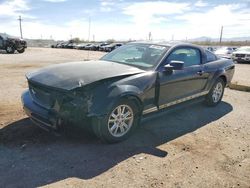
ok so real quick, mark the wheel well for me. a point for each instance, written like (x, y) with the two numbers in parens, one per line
(135, 99)
(223, 78)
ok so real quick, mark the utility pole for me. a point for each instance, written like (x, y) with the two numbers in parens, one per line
(89, 36)
(20, 25)
(89, 29)
(221, 33)
(173, 37)
(149, 36)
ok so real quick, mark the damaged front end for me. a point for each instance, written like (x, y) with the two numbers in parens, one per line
(52, 108)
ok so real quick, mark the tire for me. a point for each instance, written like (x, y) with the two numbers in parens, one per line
(10, 49)
(21, 50)
(216, 93)
(115, 127)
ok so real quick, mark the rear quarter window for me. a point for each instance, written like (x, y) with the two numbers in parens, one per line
(210, 56)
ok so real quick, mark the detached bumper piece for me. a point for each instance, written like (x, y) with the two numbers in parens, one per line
(44, 118)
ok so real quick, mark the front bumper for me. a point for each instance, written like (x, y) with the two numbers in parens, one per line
(53, 119)
(241, 59)
(21, 44)
(46, 119)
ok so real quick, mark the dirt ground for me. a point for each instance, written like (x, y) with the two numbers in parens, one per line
(190, 146)
(242, 74)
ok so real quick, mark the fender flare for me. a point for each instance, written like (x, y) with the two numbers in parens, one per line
(219, 73)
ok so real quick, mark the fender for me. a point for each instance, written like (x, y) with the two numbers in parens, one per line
(99, 107)
(226, 71)
(217, 74)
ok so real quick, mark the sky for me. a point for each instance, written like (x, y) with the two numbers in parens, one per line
(125, 19)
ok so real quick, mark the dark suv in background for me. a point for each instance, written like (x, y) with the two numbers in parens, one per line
(11, 44)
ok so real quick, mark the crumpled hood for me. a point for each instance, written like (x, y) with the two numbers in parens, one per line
(77, 74)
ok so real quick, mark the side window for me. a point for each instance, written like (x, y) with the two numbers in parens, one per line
(210, 56)
(190, 56)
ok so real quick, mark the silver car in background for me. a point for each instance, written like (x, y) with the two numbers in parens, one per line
(225, 52)
(242, 54)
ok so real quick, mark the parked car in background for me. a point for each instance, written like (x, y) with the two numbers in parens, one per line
(112, 94)
(242, 54)
(66, 45)
(87, 46)
(80, 46)
(102, 47)
(92, 46)
(225, 52)
(69, 45)
(97, 46)
(111, 47)
(60, 45)
(211, 49)
(102, 44)
(12, 44)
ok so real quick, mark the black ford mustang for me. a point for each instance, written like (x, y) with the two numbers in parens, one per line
(112, 94)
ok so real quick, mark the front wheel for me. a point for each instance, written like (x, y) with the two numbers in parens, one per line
(10, 49)
(119, 123)
(216, 93)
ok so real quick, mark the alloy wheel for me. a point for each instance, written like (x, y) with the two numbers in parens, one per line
(120, 120)
(9, 49)
(217, 92)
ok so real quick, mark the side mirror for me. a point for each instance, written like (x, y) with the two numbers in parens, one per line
(174, 65)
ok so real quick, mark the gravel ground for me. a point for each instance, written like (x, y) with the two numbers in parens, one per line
(189, 146)
(242, 74)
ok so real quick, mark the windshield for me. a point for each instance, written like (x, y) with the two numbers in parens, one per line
(144, 56)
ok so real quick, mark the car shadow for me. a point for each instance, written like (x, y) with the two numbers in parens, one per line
(31, 157)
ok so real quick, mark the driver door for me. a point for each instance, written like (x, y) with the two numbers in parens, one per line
(182, 83)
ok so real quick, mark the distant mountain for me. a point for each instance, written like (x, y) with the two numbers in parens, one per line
(201, 39)
(5, 35)
(204, 38)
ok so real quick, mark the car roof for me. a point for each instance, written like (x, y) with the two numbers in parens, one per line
(168, 44)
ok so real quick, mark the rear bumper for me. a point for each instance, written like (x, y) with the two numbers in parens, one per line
(46, 119)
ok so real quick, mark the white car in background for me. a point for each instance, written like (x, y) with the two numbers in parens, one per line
(242, 54)
(225, 52)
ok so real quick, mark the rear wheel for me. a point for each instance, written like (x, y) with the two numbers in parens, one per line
(10, 49)
(119, 123)
(216, 93)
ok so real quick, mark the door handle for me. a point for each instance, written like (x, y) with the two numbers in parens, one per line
(201, 72)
